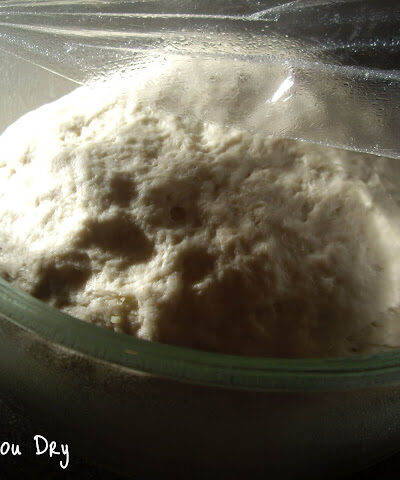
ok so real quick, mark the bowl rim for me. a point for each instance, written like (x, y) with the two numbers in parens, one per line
(196, 366)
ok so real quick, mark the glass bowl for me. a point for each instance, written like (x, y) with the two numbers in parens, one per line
(147, 409)
(143, 408)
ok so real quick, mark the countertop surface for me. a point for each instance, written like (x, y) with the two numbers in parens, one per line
(19, 430)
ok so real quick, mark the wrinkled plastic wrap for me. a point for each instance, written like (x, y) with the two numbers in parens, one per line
(320, 71)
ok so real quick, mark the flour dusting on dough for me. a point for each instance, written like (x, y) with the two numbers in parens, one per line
(196, 234)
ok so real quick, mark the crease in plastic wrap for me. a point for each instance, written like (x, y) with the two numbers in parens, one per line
(319, 71)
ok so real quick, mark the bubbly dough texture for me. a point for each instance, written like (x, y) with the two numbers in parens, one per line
(197, 234)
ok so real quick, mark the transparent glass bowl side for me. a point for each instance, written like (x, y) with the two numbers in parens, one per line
(166, 413)
(194, 366)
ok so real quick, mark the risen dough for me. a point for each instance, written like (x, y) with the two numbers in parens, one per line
(197, 234)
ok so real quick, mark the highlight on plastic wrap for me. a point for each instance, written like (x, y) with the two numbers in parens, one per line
(317, 71)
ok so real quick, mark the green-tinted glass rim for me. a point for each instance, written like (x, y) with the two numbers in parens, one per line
(194, 366)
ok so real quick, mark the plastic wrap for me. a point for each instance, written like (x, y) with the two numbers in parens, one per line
(315, 70)
(320, 71)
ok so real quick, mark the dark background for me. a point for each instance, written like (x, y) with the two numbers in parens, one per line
(17, 429)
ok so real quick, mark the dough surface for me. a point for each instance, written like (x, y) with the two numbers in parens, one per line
(195, 234)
